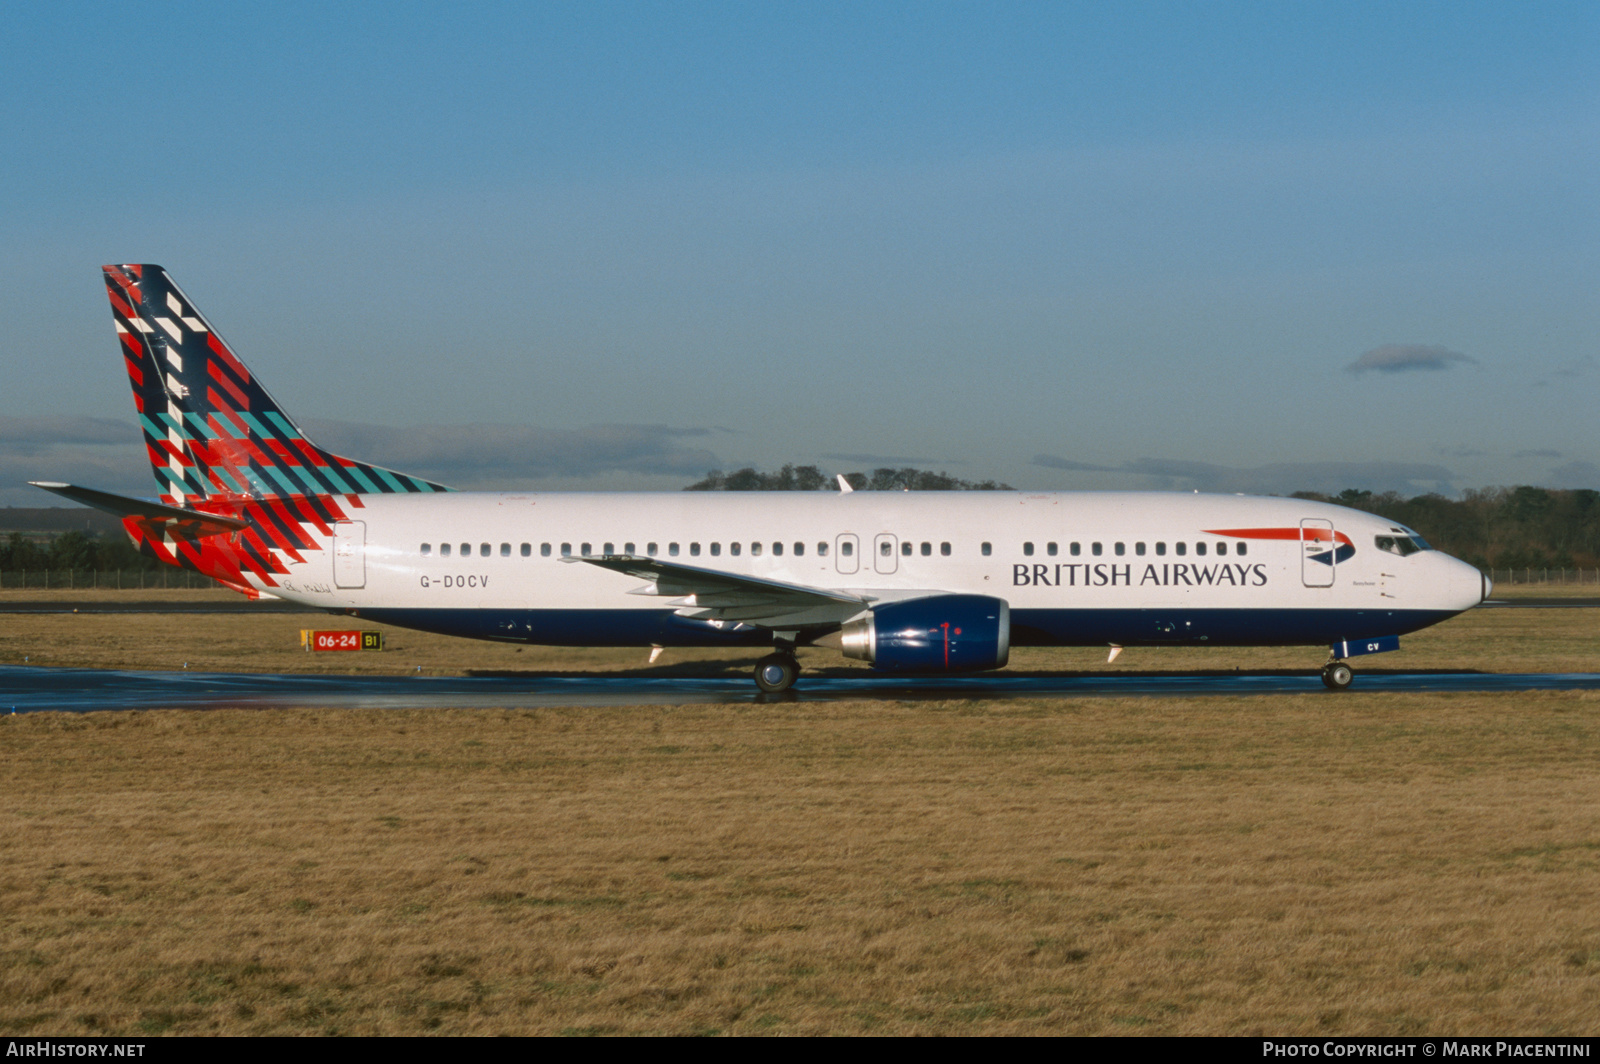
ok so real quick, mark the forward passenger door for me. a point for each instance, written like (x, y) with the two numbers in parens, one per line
(1318, 556)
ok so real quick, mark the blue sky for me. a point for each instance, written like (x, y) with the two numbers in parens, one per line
(1249, 247)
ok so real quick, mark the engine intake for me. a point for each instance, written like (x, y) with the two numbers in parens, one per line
(941, 633)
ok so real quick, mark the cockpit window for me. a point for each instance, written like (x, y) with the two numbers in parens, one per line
(1401, 545)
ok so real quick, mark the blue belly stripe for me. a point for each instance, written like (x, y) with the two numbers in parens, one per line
(1062, 628)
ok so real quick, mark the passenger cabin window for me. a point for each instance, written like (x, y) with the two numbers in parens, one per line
(944, 550)
(885, 548)
(822, 549)
(1076, 549)
(734, 548)
(1222, 548)
(777, 549)
(609, 548)
(672, 549)
(847, 548)
(544, 550)
(586, 549)
(716, 550)
(1200, 549)
(927, 550)
(1138, 548)
(505, 550)
(1096, 549)
(1239, 548)
(466, 550)
(1161, 550)
(1181, 548)
(484, 549)
(755, 550)
(527, 550)
(427, 549)
(1121, 550)
(444, 550)
(566, 550)
(650, 549)
(1027, 550)
(627, 548)
(1050, 549)
(987, 549)
(799, 549)
(905, 548)
(694, 550)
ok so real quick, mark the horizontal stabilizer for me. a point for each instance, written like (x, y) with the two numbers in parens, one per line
(122, 506)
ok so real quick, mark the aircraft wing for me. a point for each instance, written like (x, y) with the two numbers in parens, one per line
(202, 523)
(709, 594)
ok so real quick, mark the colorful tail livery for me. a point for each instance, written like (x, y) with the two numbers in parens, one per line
(211, 428)
(243, 489)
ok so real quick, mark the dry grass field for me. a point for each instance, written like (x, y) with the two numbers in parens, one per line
(1311, 864)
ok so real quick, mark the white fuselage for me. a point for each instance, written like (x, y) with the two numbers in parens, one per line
(1076, 568)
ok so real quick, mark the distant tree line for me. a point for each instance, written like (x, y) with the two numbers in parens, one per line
(810, 478)
(73, 550)
(1492, 528)
(1495, 528)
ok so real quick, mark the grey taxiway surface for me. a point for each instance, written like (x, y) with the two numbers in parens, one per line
(26, 689)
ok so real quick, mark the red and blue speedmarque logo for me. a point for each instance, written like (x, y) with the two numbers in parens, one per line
(1342, 550)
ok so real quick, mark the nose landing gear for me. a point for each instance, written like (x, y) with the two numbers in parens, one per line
(1336, 675)
(777, 672)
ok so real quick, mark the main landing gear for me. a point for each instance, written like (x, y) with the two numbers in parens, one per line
(777, 672)
(1336, 675)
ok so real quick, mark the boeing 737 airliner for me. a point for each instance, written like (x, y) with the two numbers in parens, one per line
(927, 582)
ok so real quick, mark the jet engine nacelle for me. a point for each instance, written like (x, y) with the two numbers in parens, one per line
(941, 633)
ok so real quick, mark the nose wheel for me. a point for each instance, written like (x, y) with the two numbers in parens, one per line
(777, 672)
(1336, 675)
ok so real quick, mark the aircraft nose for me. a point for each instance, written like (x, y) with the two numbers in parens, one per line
(1454, 584)
(1468, 586)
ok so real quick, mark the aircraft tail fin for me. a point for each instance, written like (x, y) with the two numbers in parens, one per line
(211, 429)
